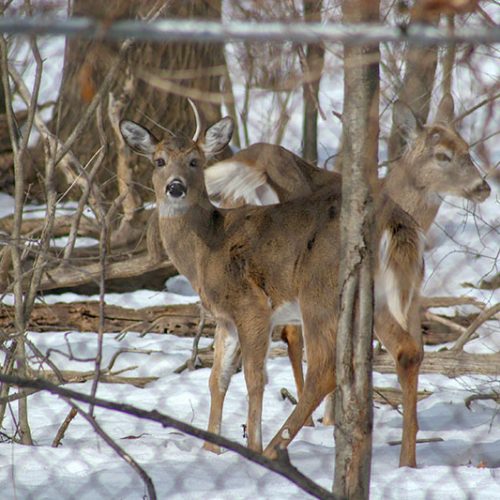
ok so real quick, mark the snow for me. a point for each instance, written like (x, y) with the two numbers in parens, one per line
(84, 467)
(461, 249)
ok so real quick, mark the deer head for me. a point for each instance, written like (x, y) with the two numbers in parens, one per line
(436, 156)
(178, 178)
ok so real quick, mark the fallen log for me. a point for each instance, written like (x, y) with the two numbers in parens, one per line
(69, 276)
(182, 320)
(178, 319)
(450, 363)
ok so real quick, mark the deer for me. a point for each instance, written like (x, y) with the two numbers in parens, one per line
(436, 162)
(256, 267)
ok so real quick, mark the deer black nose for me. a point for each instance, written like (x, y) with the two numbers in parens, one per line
(483, 191)
(176, 189)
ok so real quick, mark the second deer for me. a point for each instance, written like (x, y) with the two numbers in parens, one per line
(436, 162)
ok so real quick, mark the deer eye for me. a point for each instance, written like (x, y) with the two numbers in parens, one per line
(160, 162)
(442, 157)
(194, 163)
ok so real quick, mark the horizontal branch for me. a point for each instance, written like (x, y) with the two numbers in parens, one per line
(207, 31)
(283, 468)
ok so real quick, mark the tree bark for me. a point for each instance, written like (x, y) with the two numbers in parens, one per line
(87, 63)
(353, 402)
(418, 81)
(314, 60)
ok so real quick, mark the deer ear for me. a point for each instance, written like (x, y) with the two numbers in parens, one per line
(217, 137)
(405, 121)
(138, 138)
(446, 109)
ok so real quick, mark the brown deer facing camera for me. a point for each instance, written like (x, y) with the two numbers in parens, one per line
(255, 267)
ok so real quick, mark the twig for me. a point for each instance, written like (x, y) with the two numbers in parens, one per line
(476, 106)
(191, 362)
(430, 302)
(129, 350)
(285, 394)
(419, 441)
(444, 321)
(485, 315)
(103, 240)
(474, 397)
(196, 340)
(62, 430)
(287, 471)
(118, 450)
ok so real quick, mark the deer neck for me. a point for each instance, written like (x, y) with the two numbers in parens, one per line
(189, 238)
(412, 194)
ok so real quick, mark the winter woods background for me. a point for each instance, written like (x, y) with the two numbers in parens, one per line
(82, 273)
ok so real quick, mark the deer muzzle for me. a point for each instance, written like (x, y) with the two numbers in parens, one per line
(480, 192)
(176, 189)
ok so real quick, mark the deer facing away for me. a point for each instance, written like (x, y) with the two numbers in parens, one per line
(255, 267)
(436, 162)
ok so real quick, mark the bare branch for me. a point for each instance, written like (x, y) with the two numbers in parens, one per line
(484, 316)
(283, 469)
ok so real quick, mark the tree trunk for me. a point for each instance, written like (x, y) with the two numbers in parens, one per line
(185, 64)
(353, 402)
(418, 81)
(314, 60)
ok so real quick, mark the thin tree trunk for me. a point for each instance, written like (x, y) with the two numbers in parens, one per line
(353, 402)
(314, 61)
(418, 81)
(448, 61)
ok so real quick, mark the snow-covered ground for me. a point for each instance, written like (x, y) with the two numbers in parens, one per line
(465, 464)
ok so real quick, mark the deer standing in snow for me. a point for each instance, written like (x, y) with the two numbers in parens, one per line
(436, 162)
(254, 267)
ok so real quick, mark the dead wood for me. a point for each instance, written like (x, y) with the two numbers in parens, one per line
(181, 319)
(427, 302)
(65, 277)
(75, 377)
(393, 396)
(62, 224)
(449, 363)
(476, 397)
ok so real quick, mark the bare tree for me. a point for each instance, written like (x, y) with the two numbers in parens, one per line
(418, 81)
(313, 62)
(353, 408)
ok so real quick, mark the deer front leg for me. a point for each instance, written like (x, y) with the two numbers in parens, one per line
(255, 337)
(292, 335)
(225, 364)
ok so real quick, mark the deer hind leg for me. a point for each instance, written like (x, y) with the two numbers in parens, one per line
(329, 414)
(406, 349)
(255, 336)
(320, 380)
(292, 335)
(225, 364)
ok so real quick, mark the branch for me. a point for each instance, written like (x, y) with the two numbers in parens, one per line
(484, 316)
(285, 470)
(119, 451)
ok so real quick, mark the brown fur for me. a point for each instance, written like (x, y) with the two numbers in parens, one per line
(413, 183)
(245, 264)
